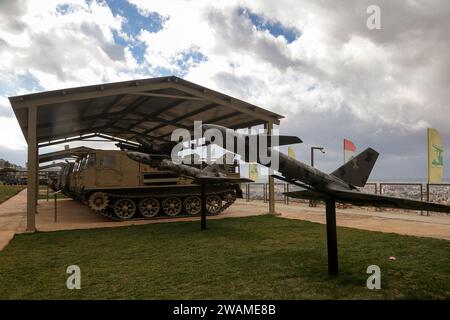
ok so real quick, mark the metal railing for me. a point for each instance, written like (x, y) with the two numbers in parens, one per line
(434, 192)
(55, 194)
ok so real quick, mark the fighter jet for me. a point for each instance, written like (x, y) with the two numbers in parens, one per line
(341, 185)
(212, 174)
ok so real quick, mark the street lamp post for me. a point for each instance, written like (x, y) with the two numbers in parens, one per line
(311, 202)
(312, 154)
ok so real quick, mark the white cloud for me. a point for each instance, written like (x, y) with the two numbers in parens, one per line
(10, 127)
(68, 49)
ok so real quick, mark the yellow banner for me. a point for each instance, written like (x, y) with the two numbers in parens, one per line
(435, 156)
(253, 172)
(291, 153)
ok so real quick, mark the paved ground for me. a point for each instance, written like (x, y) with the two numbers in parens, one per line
(73, 215)
(12, 217)
(393, 221)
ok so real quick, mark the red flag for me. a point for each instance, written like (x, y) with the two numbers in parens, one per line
(349, 150)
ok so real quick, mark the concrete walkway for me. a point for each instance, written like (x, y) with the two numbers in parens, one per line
(391, 221)
(74, 215)
(12, 217)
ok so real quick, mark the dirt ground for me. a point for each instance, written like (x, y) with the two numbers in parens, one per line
(73, 215)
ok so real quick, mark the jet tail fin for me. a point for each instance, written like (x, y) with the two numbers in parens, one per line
(357, 170)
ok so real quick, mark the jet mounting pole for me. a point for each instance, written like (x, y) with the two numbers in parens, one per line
(330, 204)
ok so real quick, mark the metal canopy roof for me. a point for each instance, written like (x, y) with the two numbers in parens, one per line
(151, 107)
(52, 167)
(62, 154)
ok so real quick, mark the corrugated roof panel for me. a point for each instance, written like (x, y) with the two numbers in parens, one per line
(124, 109)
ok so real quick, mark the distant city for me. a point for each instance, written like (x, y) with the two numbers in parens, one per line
(6, 164)
(438, 193)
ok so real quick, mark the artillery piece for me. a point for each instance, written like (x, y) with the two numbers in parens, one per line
(118, 187)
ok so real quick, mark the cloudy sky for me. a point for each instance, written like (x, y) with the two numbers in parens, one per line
(316, 62)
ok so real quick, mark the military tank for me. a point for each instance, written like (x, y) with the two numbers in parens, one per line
(115, 186)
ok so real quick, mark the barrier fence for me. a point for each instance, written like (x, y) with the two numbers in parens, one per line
(436, 192)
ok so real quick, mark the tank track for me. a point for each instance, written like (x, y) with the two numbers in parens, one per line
(110, 215)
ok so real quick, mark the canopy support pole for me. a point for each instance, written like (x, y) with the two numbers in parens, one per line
(269, 126)
(32, 165)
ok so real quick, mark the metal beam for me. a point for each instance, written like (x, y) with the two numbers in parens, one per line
(209, 97)
(112, 138)
(162, 95)
(185, 116)
(220, 118)
(116, 118)
(136, 104)
(84, 137)
(168, 107)
(269, 127)
(155, 113)
(106, 108)
(52, 165)
(102, 115)
(69, 96)
(131, 131)
(32, 166)
(246, 124)
(58, 141)
(157, 119)
(70, 133)
(47, 125)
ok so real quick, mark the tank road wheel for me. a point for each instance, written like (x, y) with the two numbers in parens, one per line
(98, 201)
(229, 197)
(172, 206)
(193, 205)
(124, 208)
(213, 204)
(149, 207)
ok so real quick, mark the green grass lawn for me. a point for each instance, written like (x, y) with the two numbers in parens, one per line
(241, 258)
(7, 191)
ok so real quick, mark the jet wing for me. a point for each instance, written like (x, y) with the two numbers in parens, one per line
(358, 198)
(305, 194)
(368, 199)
